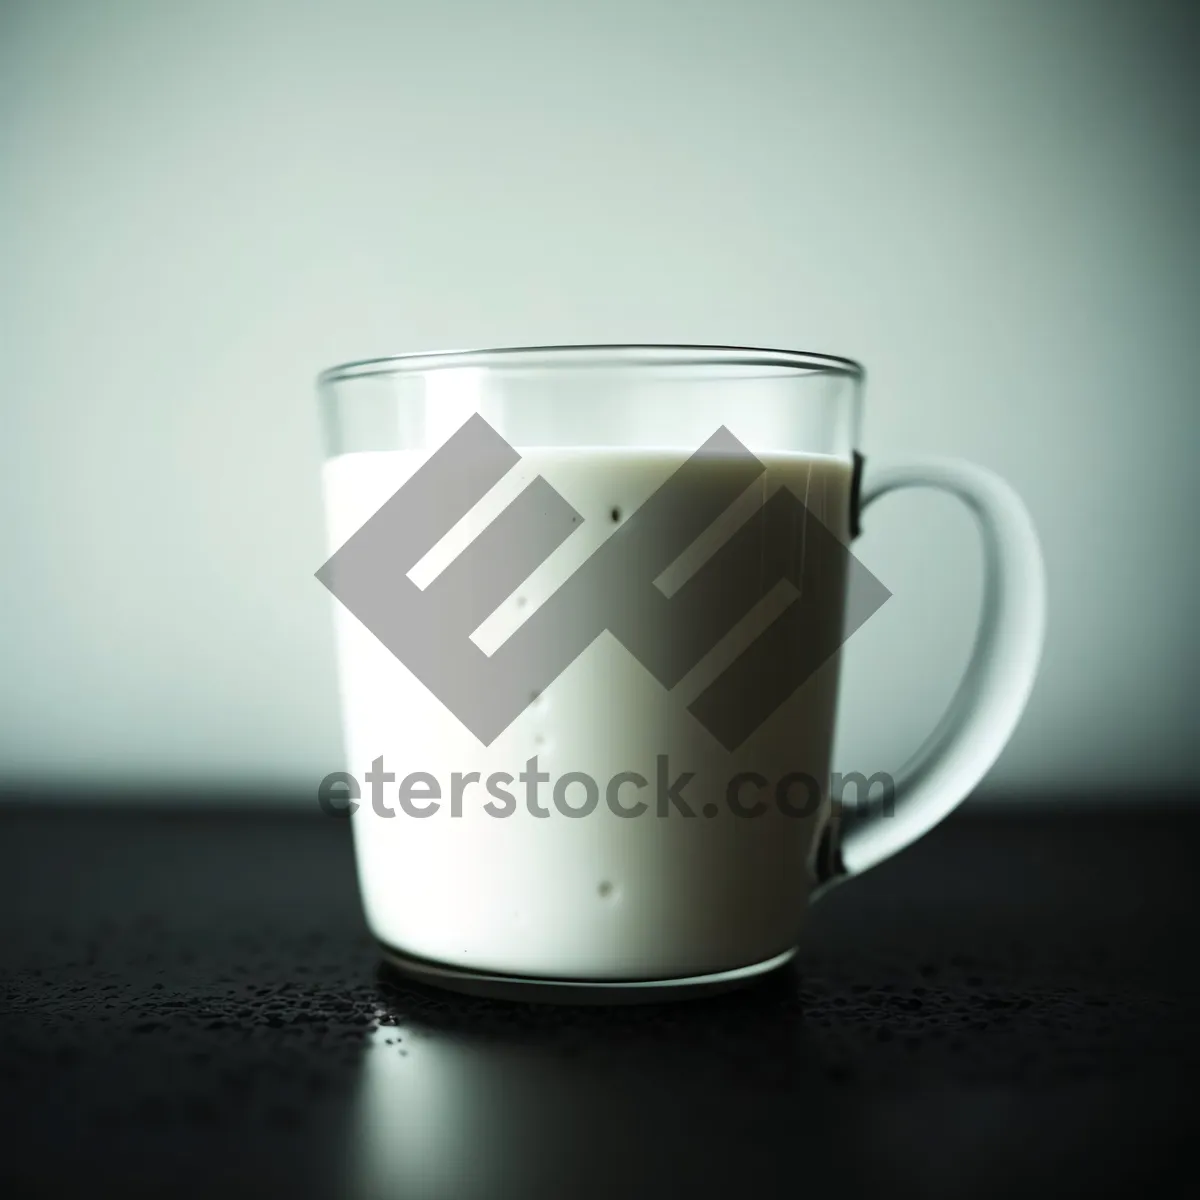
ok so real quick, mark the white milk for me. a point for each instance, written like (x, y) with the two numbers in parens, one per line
(600, 897)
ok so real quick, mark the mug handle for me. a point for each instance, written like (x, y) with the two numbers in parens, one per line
(993, 691)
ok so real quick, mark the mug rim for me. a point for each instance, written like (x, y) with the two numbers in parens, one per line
(597, 355)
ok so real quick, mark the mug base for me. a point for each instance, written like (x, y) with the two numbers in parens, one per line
(531, 990)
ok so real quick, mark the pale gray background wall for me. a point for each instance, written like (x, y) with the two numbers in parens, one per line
(201, 204)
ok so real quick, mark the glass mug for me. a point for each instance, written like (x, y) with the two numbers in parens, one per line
(589, 609)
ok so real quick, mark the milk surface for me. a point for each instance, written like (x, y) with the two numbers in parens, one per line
(601, 896)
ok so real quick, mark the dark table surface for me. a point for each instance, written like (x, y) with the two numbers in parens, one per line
(190, 1004)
